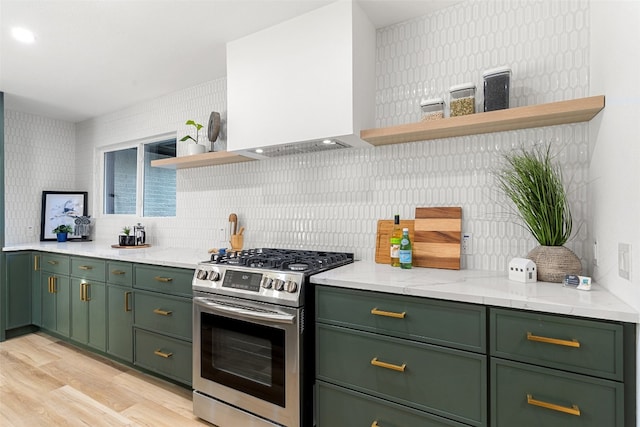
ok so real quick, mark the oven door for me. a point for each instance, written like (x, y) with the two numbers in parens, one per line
(247, 354)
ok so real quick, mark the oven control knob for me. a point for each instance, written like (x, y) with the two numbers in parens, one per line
(291, 286)
(214, 276)
(201, 274)
(266, 282)
(278, 284)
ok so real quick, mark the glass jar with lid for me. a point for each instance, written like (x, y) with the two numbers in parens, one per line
(497, 82)
(462, 99)
(432, 109)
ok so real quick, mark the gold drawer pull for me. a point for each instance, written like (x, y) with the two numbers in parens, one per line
(85, 267)
(52, 262)
(375, 424)
(388, 313)
(160, 353)
(126, 301)
(399, 368)
(574, 410)
(573, 343)
(118, 272)
(163, 279)
(162, 312)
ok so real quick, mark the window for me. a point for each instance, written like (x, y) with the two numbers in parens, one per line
(128, 173)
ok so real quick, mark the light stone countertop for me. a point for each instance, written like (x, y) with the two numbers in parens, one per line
(170, 257)
(480, 287)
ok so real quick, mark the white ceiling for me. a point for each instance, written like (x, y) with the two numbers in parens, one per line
(92, 57)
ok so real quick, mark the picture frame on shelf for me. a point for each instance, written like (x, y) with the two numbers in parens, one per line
(61, 208)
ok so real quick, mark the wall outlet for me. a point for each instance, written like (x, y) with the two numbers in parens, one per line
(624, 260)
(466, 244)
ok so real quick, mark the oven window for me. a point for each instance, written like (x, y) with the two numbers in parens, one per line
(244, 356)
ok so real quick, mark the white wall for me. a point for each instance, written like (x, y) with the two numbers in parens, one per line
(614, 173)
(333, 200)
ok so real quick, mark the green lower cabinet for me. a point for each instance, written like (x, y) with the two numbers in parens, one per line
(56, 302)
(89, 313)
(36, 290)
(166, 356)
(17, 301)
(530, 396)
(120, 327)
(340, 407)
(445, 382)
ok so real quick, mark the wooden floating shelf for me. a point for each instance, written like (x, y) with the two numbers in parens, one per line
(555, 113)
(199, 160)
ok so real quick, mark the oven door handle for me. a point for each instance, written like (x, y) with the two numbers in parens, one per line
(246, 313)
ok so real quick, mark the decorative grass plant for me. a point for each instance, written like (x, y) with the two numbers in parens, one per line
(534, 184)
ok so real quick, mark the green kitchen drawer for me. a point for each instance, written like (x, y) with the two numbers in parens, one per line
(164, 314)
(531, 396)
(176, 281)
(120, 273)
(451, 324)
(55, 263)
(340, 407)
(88, 268)
(446, 382)
(166, 356)
(584, 346)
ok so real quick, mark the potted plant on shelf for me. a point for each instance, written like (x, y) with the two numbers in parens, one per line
(195, 148)
(534, 184)
(62, 231)
(125, 239)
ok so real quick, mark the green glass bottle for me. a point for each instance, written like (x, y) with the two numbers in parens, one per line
(396, 236)
(405, 250)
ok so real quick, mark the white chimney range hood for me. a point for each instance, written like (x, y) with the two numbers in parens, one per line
(293, 86)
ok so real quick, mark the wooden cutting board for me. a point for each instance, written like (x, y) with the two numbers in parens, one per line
(436, 243)
(385, 227)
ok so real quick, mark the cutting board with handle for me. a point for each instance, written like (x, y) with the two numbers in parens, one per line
(437, 236)
(385, 227)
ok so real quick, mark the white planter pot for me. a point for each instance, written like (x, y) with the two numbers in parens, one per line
(195, 149)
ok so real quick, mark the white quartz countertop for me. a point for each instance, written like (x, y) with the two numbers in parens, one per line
(480, 287)
(170, 257)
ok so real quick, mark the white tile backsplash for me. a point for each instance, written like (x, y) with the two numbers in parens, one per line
(333, 200)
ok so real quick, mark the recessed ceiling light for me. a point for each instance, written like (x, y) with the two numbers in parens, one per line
(328, 141)
(23, 35)
(259, 150)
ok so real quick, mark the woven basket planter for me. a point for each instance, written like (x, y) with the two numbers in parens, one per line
(554, 262)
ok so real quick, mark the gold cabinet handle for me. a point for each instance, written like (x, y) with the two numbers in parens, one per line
(163, 279)
(84, 292)
(573, 410)
(85, 267)
(52, 284)
(160, 353)
(49, 285)
(375, 424)
(52, 262)
(126, 301)
(388, 313)
(399, 368)
(118, 272)
(36, 262)
(162, 312)
(573, 343)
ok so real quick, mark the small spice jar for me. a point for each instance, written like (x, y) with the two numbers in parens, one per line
(463, 99)
(432, 109)
(496, 88)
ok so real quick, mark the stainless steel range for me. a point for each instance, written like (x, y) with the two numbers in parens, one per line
(253, 341)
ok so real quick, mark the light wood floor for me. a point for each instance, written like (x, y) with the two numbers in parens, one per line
(47, 382)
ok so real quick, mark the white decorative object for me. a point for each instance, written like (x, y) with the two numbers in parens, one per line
(195, 149)
(523, 270)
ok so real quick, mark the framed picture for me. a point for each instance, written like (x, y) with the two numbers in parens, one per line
(60, 208)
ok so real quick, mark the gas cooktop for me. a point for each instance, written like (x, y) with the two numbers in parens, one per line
(283, 259)
(268, 275)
